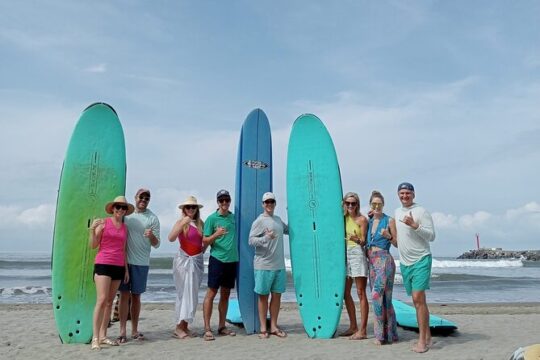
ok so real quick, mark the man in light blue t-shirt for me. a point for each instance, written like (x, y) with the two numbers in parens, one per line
(143, 234)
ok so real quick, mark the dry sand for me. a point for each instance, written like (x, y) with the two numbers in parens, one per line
(486, 331)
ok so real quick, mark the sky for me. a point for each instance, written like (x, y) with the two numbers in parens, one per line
(443, 94)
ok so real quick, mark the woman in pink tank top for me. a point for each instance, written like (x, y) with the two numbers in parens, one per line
(188, 264)
(110, 235)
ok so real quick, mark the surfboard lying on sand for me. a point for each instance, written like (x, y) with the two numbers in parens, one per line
(406, 318)
(316, 229)
(253, 179)
(94, 173)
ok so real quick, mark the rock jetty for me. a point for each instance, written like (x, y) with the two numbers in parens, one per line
(498, 253)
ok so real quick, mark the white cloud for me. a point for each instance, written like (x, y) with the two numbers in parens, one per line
(527, 209)
(14, 217)
(474, 220)
(444, 220)
(98, 68)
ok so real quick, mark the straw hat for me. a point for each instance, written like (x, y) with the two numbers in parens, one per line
(121, 200)
(191, 200)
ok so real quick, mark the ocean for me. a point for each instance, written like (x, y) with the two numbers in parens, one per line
(25, 278)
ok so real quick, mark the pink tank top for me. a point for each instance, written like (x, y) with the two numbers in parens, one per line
(192, 243)
(112, 246)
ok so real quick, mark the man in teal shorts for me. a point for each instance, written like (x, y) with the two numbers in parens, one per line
(220, 235)
(415, 231)
(266, 236)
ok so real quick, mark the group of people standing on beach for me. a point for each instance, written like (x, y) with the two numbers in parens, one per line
(368, 241)
(125, 240)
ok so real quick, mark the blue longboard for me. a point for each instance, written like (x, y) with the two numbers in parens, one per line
(253, 179)
(94, 173)
(316, 229)
(406, 318)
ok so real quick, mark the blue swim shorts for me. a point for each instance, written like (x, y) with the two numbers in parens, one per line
(416, 276)
(267, 281)
(138, 274)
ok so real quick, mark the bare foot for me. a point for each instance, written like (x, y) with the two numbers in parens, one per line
(378, 342)
(420, 349)
(348, 332)
(358, 336)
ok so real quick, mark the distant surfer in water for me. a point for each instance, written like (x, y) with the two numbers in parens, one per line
(143, 234)
(110, 265)
(266, 236)
(357, 266)
(188, 264)
(381, 235)
(415, 231)
(220, 235)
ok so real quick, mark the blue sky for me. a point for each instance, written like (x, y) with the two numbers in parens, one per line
(443, 94)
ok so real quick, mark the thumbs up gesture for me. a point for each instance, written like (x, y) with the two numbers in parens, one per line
(409, 220)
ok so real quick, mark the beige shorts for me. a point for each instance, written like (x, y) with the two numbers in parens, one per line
(357, 264)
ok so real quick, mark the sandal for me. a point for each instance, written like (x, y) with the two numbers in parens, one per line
(279, 333)
(264, 335)
(95, 344)
(137, 336)
(208, 335)
(122, 339)
(223, 331)
(110, 342)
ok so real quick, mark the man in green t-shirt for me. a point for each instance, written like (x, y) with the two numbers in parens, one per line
(220, 235)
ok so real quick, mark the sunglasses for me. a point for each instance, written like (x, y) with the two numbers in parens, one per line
(269, 201)
(121, 207)
(224, 200)
(350, 204)
(377, 206)
(144, 198)
(190, 207)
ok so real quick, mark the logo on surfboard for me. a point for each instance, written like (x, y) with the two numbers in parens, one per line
(255, 164)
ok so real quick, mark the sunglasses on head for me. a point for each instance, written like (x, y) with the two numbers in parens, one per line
(377, 206)
(269, 201)
(144, 198)
(224, 200)
(121, 207)
(350, 203)
(190, 207)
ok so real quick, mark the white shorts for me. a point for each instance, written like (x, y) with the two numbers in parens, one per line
(357, 264)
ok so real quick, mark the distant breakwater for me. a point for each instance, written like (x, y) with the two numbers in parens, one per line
(498, 253)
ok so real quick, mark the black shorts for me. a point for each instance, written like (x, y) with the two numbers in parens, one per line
(221, 274)
(115, 272)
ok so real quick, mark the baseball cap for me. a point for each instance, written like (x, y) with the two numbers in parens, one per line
(405, 186)
(222, 193)
(142, 191)
(268, 196)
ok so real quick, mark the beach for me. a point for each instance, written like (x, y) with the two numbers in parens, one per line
(486, 331)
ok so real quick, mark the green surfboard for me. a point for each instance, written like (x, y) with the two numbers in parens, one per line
(316, 229)
(94, 173)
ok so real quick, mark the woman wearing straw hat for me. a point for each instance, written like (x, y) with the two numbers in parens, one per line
(110, 236)
(188, 264)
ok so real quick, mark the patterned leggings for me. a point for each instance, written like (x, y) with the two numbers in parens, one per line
(381, 280)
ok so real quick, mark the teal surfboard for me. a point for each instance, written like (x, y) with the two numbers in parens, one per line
(406, 318)
(316, 229)
(253, 179)
(94, 172)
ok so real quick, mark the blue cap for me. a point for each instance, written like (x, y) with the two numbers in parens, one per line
(405, 186)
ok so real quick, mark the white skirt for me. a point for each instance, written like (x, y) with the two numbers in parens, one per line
(187, 276)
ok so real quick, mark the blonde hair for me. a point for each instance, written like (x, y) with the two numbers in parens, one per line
(357, 198)
(198, 222)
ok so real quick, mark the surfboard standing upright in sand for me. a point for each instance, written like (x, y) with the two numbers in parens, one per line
(316, 229)
(253, 179)
(94, 172)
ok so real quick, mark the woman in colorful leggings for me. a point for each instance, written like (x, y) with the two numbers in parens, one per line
(381, 235)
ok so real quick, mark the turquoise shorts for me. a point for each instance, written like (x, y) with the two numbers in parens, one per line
(267, 281)
(416, 276)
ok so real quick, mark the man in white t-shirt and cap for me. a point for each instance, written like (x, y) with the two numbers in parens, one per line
(415, 231)
(266, 236)
(143, 234)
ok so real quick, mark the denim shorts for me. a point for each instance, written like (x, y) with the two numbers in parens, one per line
(138, 274)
